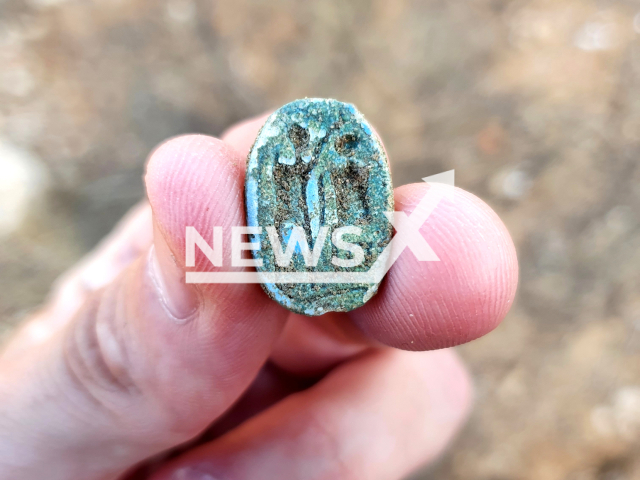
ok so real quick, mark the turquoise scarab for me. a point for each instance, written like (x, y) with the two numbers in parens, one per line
(318, 185)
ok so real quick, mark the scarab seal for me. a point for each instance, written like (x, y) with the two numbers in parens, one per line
(317, 187)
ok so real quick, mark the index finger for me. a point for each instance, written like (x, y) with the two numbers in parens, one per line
(464, 295)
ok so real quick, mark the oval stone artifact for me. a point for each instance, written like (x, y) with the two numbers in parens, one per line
(318, 186)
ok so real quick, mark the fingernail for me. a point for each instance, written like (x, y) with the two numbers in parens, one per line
(179, 298)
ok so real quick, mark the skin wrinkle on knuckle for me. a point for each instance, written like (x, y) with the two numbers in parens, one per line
(99, 358)
(94, 352)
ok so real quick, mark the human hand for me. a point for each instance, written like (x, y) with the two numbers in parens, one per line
(127, 365)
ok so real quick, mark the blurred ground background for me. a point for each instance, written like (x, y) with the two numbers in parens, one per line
(534, 103)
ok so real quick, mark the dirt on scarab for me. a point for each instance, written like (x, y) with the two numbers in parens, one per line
(316, 165)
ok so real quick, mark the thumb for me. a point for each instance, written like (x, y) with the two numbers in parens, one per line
(147, 361)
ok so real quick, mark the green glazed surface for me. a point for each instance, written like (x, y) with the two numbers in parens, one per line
(317, 163)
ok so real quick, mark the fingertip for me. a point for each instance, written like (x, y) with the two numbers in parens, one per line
(194, 180)
(186, 154)
(431, 305)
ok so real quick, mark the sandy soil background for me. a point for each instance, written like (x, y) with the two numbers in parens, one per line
(534, 103)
